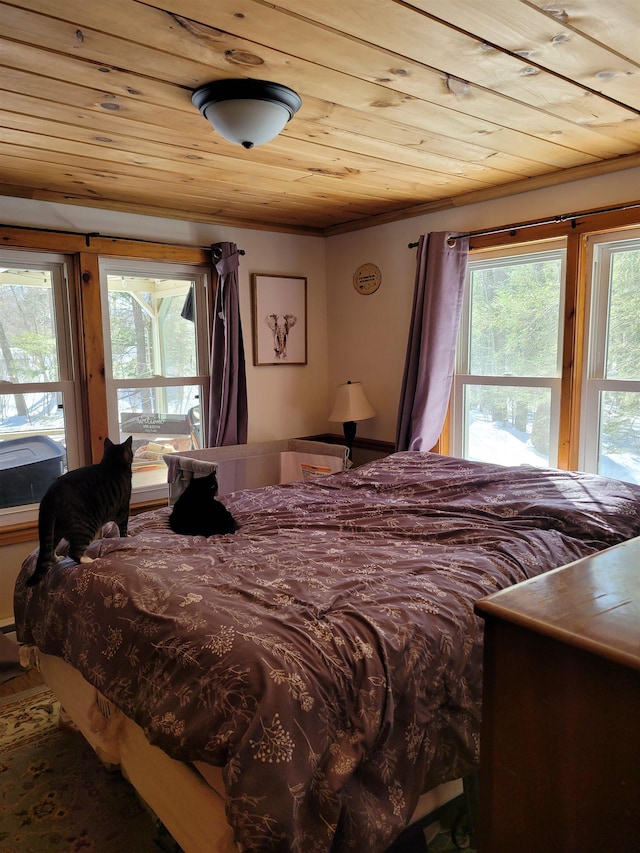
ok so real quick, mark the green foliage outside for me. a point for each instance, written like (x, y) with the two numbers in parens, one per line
(620, 411)
(139, 350)
(514, 331)
(28, 351)
(149, 337)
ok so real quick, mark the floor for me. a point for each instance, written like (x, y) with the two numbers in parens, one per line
(8, 656)
(20, 683)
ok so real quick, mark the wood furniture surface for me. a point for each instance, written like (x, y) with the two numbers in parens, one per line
(560, 742)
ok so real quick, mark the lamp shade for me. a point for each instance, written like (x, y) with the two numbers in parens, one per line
(351, 404)
(246, 112)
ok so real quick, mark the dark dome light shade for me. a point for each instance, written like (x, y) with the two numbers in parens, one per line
(247, 112)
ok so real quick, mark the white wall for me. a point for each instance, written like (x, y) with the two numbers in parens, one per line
(367, 334)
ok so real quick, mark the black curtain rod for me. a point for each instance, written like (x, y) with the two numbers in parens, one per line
(564, 217)
(87, 237)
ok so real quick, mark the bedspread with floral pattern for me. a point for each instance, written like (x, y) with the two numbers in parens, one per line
(327, 655)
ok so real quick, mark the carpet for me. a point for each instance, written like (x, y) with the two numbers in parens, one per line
(57, 797)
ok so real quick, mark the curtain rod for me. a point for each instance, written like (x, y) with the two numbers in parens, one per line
(564, 217)
(87, 237)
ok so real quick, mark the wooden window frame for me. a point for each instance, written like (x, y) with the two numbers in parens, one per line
(85, 252)
(575, 230)
(554, 250)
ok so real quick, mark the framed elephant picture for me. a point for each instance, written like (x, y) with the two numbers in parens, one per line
(279, 305)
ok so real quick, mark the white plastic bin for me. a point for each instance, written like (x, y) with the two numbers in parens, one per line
(251, 466)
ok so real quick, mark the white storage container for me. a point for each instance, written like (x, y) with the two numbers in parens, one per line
(250, 466)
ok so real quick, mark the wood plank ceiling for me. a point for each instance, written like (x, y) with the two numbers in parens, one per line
(407, 106)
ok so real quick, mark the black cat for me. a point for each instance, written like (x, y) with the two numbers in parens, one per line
(198, 513)
(80, 502)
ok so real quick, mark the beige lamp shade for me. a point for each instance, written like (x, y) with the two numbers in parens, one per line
(351, 404)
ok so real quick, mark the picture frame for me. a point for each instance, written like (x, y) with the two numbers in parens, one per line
(279, 308)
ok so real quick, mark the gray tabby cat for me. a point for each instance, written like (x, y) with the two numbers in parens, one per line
(80, 502)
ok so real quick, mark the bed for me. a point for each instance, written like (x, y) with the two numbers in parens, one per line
(308, 679)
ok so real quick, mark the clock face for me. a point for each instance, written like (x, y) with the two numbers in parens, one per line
(367, 278)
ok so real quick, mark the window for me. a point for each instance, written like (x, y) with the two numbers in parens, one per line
(40, 415)
(610, 427)
(156, 358)
(65, 382)
(506, 393)
(156, 344)
(513, 400)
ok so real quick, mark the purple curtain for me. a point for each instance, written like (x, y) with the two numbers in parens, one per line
(228, 382)
(431, 350)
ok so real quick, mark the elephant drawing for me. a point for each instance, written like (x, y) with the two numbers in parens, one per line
(280, 325)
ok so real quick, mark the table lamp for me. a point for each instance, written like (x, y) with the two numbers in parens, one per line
(351, 405)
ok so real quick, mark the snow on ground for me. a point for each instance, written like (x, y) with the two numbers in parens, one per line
(491, 442)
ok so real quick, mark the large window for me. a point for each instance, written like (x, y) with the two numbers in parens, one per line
(156, 348)
(57, 402)
(610, 428)
(40, 418)
(507, 384)
(513, 399)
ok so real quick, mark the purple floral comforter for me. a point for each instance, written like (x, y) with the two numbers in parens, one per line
(327, 655)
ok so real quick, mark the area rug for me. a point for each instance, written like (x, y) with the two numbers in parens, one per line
(454, 835)
(57, 797)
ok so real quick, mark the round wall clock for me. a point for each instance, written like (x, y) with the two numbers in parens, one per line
(367, 278)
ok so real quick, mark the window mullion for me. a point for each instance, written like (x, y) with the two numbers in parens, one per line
(93, 352)
(572, 319)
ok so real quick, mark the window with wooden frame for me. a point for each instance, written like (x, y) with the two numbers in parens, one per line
(610, 423)
(73, 367)
(548, 368)
(40, 430)
(507, 383)
(156, 362)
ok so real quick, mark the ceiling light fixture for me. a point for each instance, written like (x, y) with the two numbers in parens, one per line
(247, 112)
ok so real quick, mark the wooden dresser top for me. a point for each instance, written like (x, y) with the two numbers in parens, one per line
(593, 604)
